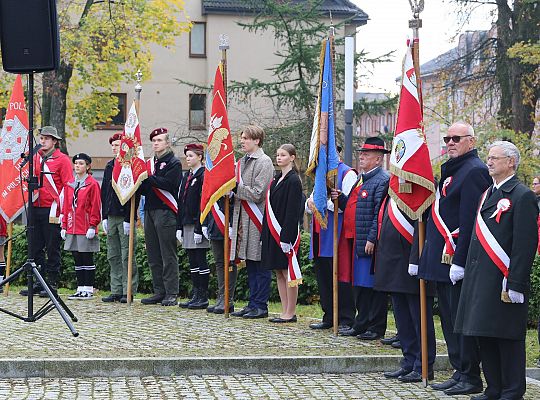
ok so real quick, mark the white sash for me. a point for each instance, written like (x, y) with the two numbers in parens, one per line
(165, 196)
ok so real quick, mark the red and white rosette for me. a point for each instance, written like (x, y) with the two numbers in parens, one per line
(502, 206)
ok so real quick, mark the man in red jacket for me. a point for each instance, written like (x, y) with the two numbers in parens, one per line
(57, 171)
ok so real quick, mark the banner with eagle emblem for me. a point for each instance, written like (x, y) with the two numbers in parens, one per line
(129, 166)
(219, 176)
(13, 143)
(411, 183)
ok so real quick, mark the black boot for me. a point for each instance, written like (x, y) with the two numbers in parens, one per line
(194, 297)
(202, 301)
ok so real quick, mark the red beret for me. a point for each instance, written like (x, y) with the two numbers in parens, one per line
(194, 147)
(115, 137)
(157, 131)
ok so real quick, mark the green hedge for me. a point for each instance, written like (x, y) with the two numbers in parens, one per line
(308, 292)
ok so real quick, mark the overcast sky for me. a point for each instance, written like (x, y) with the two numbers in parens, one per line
(388, 29)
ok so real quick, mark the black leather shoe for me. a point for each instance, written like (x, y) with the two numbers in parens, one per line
(221, 310)
(242, 312)
(348, 332)
(444, 385)
(463, 388)
(111, 298)
(169, 300)
(123, 299)
(255, 314)
(320, 325)
(194, 297)
(368, 335)
(210, 309)
(397, 373)
(396, 345)
(155, 299)
(37, 288)
(279, 320)
(390, 340)
(413, 376)
(483, 397)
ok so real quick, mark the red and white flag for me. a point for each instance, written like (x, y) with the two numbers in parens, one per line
(13, 143)
(411, 183)
(219, 176)
(129, 166)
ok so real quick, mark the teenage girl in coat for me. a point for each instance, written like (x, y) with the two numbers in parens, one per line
(81, 215)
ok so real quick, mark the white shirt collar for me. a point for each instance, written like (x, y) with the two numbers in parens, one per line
(498, 185)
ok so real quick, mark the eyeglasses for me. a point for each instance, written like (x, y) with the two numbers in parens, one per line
(455, 139)
(495, 158)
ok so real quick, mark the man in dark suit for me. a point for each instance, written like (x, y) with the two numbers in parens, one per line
(494, 297)
(464, 177)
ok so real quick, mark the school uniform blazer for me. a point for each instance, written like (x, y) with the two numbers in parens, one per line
(189, 201)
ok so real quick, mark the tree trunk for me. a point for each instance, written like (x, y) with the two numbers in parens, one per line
(54, 104)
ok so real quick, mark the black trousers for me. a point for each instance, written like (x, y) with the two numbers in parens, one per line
(372, 310)
(407, 316)
(503, 362)
(463, 351)
(324, 274)
(46, 239)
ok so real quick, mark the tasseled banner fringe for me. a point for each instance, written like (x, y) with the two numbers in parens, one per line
(295, 282)
(407, 210)
(447, 259)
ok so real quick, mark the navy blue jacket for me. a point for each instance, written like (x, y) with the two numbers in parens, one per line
(374, 189)
(466, 179)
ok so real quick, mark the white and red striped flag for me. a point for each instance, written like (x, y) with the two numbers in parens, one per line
(411, 183)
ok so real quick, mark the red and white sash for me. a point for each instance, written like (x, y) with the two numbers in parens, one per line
(294, 277)
(165, 196)
(255, 215)
(489, 243)
(449, 246)
(50, 185)
(399, 221)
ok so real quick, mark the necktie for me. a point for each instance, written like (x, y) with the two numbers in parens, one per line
(190, 176)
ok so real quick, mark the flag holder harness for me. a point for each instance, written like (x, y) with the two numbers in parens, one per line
(29, 267)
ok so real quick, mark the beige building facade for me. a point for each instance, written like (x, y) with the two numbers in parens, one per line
(183, 110)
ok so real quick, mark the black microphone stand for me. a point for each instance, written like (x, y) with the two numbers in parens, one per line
(29, 267)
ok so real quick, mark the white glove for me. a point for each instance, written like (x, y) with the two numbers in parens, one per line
(413, 269)
(456, 273)
(205, 232)
(105, 226)
(63, 234)
(516, 297)
(126, 228)
(230, 232)
(179, 236)
(197, 238)
(285, 247)
(90, 233)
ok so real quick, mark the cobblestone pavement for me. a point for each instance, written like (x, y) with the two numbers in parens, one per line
(114, 330)
(238, 387)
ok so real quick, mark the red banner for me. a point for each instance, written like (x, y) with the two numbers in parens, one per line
(13, 143)
(219, 176)
(129, 166)
(411, 183)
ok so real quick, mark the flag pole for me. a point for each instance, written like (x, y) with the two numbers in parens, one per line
(224, 46)
(138, 89)
(335, 297)
(415, 24)
(8, 258)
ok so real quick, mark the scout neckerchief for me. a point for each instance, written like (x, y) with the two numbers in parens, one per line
(294, 277)
(449, 244)
(166, 197)
(50, 186)
(250, 207)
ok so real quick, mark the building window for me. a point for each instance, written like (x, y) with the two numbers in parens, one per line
(117, 121)
(197, 111)
(197, 40)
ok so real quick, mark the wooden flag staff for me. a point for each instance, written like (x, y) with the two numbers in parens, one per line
(224, 46)
(138, 89)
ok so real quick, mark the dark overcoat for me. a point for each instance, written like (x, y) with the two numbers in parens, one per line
(285, 198)
(463, 179)
(392, 259)
(481, 311)
(189, 201)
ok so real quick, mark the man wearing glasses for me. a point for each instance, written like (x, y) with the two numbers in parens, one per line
(464, 177)
(495, 293)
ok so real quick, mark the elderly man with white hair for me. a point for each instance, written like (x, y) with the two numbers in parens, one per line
(494, 297)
